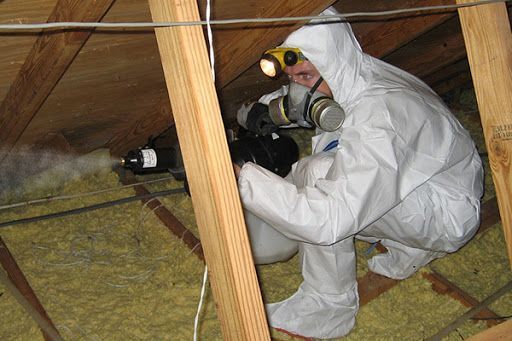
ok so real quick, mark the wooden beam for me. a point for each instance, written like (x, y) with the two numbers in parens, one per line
(210, 174)
(239, 47)
(486, 30)
(25, 295)
(45, 64)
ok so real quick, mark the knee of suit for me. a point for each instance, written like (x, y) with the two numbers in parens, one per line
(463, 222)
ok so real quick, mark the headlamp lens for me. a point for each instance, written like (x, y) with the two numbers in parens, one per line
(270, 66)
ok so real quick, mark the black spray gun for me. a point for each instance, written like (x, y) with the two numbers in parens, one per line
(274, 152)
(149, 159)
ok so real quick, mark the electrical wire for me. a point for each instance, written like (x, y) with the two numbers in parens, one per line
(92, 207)
(210, 39)
(61, 25)
(212, 65)
(203, 287)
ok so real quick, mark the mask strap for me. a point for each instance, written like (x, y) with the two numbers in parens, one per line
(308, 97)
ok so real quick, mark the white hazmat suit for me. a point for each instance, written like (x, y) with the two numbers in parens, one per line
(405, 172)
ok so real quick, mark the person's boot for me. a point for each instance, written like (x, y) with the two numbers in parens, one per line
(401, 261)
(327, 302)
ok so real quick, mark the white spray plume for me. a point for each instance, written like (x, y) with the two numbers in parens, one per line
(29, 173)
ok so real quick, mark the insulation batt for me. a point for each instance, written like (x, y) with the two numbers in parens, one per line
(405, 172)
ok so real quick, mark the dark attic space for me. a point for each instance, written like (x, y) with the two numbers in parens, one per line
(152, 189)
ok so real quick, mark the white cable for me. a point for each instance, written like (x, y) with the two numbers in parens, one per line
(61, 25)
(196, 320)
(212, 64)
(210, 39)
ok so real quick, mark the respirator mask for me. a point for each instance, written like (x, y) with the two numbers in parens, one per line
(307, 108)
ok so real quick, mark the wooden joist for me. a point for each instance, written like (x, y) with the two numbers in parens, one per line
(210, 173)
(23, 292)
(442, 285)
(45, 64)
(372, 285)
(486, 30)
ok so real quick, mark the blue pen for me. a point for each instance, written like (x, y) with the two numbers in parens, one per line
(331, 145)
(370, 249)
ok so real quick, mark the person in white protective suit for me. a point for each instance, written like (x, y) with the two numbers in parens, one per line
(404, 172)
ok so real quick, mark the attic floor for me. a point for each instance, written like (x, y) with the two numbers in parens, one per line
(117, 273)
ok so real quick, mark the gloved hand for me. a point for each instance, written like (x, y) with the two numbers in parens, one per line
(255, 118)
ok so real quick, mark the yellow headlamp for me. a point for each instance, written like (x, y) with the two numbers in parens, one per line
(274, 61)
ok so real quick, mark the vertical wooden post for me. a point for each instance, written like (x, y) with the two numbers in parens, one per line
(210, 173)
(488, 40)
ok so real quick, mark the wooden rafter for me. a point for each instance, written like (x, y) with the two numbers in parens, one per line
(45, 64)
